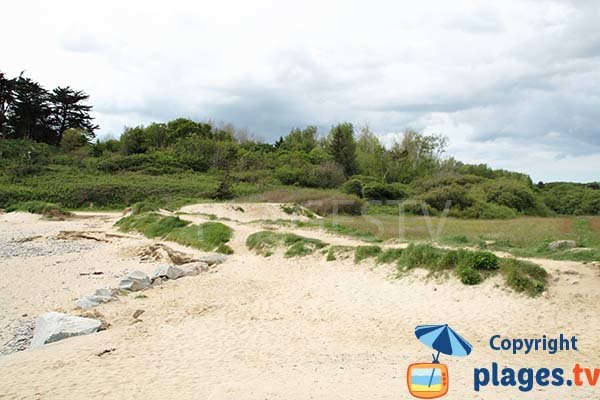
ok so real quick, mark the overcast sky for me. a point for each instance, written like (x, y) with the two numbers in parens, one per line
(512, 84)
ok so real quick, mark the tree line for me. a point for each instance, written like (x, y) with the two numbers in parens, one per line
(29, 111)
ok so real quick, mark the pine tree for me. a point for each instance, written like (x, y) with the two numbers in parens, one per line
(69, 111)
(342, 147)
(30, 112)
(7, 98)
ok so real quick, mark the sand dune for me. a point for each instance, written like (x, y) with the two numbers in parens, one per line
(266, 328)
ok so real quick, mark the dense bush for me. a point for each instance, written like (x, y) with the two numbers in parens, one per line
(454, 196)
(383, 191)
(483, 210)
(353, 186)
(510, 193)
(469, 276)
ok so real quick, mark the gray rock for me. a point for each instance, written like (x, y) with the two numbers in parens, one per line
(194, 268)
(167, 271)
(103, 295)
(85, 303)
(213, 259)
(52, 327)
(562, 244)
(135, 280)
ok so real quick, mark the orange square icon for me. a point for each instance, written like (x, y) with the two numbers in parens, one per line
(427, 380)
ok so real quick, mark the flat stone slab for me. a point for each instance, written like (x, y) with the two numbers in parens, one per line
(52, 327)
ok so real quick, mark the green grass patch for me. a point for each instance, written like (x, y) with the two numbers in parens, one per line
(524, 276)
(472, 267)
(389, 256)
(364, 252)
(522, 236)
(266, 242)
(143, 207)
(151, 224)
(209, 236)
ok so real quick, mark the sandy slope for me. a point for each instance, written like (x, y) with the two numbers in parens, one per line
(272, 328)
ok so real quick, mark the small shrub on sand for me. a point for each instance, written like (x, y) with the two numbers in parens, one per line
(363, 252)
(523, 276)
(469, 276)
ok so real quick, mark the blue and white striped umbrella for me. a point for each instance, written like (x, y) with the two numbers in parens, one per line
(443, 339)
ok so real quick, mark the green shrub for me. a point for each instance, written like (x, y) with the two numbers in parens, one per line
(326, 175)
(383, 192)
(523, 276)
(363, 252)
(483, 210)
(353, 186)
(510, 193)
(484, 260)
(469, 276)
(454, 196)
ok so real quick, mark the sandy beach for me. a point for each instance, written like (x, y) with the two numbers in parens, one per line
(264, 328)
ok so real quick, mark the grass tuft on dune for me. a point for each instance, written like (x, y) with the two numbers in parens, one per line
(209, 236)
(266, 242)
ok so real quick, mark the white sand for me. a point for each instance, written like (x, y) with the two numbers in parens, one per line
(244, 212)
(272, 328)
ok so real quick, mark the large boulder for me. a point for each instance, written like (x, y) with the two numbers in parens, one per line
(52, 327)
(213, 258)
(562, 244)
(135, 280)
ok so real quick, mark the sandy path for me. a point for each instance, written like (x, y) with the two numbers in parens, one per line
(276, 328)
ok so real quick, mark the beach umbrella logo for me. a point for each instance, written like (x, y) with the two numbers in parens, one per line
(431, 380)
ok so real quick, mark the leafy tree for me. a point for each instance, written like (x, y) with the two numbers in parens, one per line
(68, 111)
(416, 155)
(342, 147)
(134, 141)
(300, 139)
(372, 158)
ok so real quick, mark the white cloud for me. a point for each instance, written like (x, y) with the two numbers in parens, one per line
(514, 84)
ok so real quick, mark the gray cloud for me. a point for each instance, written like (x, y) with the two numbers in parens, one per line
(496, 78)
